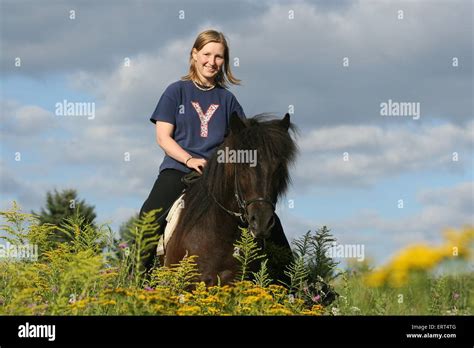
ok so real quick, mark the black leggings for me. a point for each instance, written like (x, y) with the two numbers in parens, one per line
(165, 191)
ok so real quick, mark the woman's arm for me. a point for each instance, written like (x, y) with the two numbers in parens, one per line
(164, 138)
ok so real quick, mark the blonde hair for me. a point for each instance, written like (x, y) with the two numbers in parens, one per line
(224, 76)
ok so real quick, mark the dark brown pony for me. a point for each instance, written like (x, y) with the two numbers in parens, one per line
(229, 195)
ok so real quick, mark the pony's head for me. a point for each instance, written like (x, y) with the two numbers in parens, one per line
(256, 154)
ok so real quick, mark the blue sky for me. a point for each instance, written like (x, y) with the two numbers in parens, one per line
(282, 62)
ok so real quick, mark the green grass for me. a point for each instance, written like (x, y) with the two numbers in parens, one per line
(424, 294)
(80, 278)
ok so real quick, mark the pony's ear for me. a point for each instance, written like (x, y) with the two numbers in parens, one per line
(236, 123)
(285, 122)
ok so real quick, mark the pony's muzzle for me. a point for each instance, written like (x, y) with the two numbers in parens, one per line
(261, 223)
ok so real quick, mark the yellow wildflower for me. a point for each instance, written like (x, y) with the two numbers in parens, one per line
(212, 299)
(279, 309)
(189, 310)
(257, 291)
(158, 308)
(421, 257)
(212, 310)
(317, 309)
(256, 299)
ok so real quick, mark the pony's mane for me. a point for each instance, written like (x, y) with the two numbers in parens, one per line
(262, 132)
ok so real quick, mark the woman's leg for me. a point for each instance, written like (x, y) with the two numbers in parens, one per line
(165, 191)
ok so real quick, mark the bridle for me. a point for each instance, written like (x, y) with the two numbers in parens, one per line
(242, 203)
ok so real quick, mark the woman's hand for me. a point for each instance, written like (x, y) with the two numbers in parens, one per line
(197, 164)
(164, 137)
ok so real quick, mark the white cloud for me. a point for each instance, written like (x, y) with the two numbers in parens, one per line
(27, 193)
(299, 62)
(296, 62)
(375, 153)
(24, 120)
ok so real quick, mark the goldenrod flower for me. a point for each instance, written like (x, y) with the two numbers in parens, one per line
(189, 310)
(422, 257)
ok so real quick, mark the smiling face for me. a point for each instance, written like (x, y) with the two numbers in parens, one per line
(208, 62)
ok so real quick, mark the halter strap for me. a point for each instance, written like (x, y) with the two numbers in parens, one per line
(241, 202)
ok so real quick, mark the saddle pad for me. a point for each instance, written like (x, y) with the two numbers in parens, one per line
(171, 221)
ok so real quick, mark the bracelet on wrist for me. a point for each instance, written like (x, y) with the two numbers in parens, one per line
(186, 163)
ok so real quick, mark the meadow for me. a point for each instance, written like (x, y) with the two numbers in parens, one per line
(95, 274)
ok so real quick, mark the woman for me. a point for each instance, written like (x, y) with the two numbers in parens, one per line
(191, 120)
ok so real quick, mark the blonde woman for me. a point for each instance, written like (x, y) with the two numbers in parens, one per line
(192, 116)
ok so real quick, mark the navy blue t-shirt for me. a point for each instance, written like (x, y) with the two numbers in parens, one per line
(200, 119)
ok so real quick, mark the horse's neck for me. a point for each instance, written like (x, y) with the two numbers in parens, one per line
(225, 192)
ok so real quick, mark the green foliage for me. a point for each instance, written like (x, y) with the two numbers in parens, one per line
(246, 252)
(298, 275)
(312, 270)
(262, 277)
(424, 294)
(322, 265)
(178, 278)
(144, 239)
(62, 205)
(82, 277)
(313, 249)
(125, 229)
(22, 228)
(436, 292)
(83, 236)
